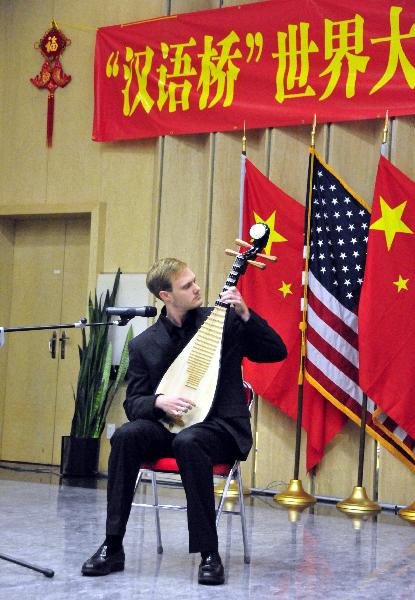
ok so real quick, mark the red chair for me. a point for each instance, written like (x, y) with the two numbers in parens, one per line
(224, 471)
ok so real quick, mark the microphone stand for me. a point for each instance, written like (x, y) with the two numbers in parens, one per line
(81, 324)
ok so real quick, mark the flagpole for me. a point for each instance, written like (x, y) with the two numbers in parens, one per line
(359, 502)
(242, 183)
(294, 495)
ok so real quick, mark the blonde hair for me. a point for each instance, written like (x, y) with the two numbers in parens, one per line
(159, 277)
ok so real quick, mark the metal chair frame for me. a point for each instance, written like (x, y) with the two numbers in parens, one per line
(233, 472)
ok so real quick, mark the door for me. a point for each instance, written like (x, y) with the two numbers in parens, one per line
(48, 286)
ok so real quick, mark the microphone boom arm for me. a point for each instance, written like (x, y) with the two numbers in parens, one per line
(125, 317)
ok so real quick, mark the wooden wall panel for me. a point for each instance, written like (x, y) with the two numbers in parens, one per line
(402, 141)
(396, 481)
(337, 473)
(237, 2)
(289, 158)
(24, 162)
(184, 213)
(184, 6)
(4, 66)
(79, 181)
(354, 151)
(6, 280)
(128, 173)
(111, 13)
(86, 180)
(275, 449)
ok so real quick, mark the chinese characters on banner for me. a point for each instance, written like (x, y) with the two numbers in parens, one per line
(268, 63)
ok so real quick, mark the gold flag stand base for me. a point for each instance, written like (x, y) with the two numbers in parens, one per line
(358, 502)
(408, 513)
(232, 490)
(294, 495)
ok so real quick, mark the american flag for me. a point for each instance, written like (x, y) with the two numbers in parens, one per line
(339, 223)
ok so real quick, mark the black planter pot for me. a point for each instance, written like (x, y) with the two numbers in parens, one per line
(79, 456)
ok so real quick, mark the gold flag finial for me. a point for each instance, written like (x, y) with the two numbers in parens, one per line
(313, 131)
(244, 141)
(386, 128)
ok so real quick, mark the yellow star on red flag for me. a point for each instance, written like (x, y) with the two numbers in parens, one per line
(274, 236)
(401, 284)
(391, 222)
(285, 288)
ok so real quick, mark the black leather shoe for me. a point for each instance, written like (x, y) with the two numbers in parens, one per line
(102, 563)
(211, 570)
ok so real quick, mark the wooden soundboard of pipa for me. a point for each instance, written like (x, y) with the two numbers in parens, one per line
(194, 373)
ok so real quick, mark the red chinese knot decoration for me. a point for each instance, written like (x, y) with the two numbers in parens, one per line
(51, 76)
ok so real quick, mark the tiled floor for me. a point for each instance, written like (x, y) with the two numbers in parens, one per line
(322, 554)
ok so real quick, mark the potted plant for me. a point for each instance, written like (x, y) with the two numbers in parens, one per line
(95, 390)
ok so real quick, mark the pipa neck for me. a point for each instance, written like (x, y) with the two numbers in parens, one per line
(236, 271)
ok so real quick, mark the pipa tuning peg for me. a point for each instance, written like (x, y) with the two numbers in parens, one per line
(264, 256)
(254, 263)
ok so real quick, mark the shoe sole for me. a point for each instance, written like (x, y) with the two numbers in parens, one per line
(113, 569)
(207, 582)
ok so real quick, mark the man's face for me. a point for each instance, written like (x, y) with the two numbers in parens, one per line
(185, 294)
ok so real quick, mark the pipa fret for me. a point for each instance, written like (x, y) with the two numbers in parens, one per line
(206, 343)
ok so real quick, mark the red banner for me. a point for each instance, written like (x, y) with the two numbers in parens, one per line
(269, 64)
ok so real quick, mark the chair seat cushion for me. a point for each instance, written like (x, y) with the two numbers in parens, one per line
(169, 465)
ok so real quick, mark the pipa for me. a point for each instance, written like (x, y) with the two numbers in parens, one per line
(194, 373)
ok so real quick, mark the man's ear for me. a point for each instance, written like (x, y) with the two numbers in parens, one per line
(164, 296)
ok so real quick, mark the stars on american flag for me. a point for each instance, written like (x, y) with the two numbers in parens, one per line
(339, 224)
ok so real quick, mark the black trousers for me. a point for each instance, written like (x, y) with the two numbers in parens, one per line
(196, 449)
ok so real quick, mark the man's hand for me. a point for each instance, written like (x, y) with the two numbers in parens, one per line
(233, 296)
(174, 406)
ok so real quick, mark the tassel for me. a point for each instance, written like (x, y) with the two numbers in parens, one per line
(51, 110)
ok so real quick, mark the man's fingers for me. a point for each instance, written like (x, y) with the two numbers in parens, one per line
(187, 403)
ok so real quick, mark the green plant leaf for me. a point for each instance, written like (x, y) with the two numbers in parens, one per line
(95, 355)
(101, 395)
(121, 373)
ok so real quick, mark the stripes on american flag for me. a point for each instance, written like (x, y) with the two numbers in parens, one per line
(398, 435)
(339, 224)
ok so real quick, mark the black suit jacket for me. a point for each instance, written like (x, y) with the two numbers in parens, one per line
(152, 352)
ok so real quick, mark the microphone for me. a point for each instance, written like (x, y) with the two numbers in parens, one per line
(128, 312)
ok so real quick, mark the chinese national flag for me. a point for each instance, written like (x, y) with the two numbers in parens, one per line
(276, 295)
(387, 302)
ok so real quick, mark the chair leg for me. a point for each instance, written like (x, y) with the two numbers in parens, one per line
(138, 480)
(247, 557)
(223, 497)
(157, 512)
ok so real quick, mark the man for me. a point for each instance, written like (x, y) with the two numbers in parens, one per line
(224, 436)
